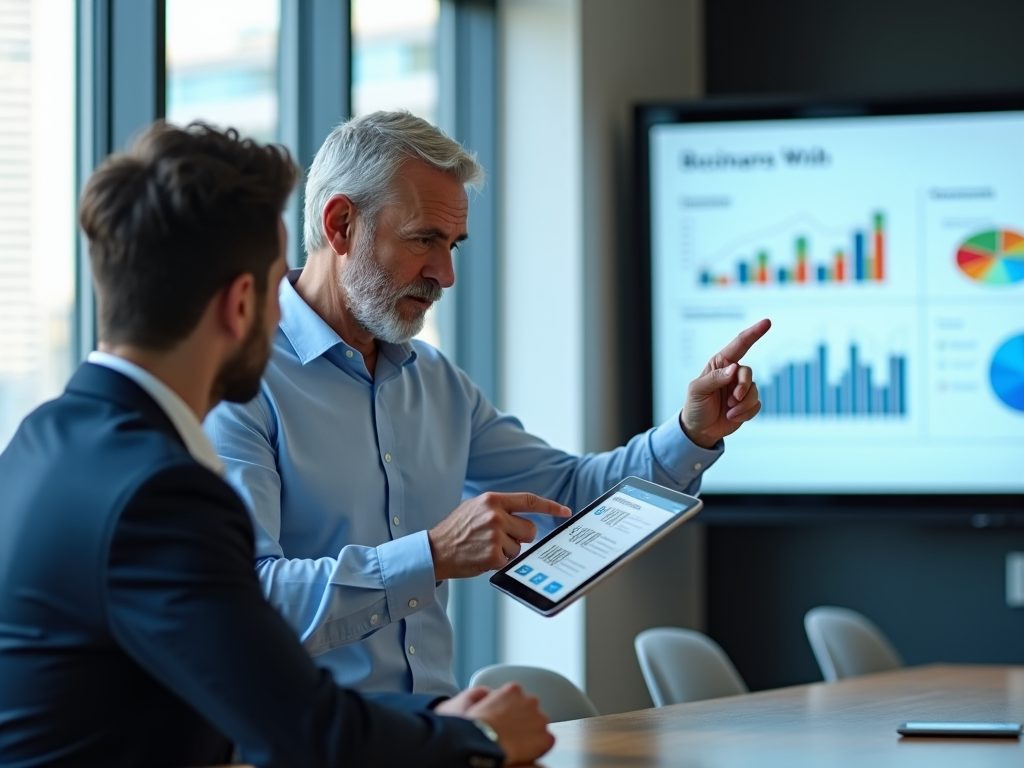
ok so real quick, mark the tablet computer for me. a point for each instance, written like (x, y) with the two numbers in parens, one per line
(593, 543)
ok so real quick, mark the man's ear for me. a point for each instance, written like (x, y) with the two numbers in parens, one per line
(238, 306)
(338, 222)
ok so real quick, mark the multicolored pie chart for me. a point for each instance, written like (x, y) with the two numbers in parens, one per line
(1007, 372)
(993, 257)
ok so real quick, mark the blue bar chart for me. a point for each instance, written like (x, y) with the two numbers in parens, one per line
(802, 388)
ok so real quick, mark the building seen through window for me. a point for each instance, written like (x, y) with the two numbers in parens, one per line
(394, 66)
(394, 56)
(222, 64)
(37, 204)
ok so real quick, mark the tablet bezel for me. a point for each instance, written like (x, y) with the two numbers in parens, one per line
(518, 591)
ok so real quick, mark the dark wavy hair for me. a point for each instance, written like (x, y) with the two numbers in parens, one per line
(174, 219)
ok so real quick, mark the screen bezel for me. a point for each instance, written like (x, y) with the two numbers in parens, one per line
(515, 588)
(980, 509)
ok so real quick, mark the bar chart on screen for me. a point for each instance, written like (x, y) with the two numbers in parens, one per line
(803, 388)
(817, 254)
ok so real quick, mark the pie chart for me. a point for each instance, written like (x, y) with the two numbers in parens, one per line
(1007, 373)
(993, 257)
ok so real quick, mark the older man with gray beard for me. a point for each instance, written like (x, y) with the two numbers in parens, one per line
(356, 456)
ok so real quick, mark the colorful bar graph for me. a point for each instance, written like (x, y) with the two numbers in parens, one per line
(867, 263)
(879, 256)
(801, 389)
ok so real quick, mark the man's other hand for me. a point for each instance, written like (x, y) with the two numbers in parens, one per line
(516, 718)
(724, 395)
(483, 534)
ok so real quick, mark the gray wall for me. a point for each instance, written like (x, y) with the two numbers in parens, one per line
(570, 73)
(938, 592)
(640, 50)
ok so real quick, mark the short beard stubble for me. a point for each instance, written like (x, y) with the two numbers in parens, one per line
(372, 294)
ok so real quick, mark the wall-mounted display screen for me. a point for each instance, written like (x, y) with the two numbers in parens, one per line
(888, 251)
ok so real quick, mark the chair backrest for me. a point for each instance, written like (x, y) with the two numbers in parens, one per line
(559, 698)
(681, 665)
(847, 643)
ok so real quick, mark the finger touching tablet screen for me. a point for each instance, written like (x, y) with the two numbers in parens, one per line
(593, 543)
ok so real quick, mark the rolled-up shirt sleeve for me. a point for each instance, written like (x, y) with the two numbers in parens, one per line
(328, 601)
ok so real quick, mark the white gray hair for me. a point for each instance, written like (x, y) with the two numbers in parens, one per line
(361, 157)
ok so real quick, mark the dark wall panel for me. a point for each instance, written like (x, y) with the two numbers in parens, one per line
(939, 592)
(863, 47)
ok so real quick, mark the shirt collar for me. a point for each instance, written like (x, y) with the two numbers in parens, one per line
(181, 416)
(311, 337)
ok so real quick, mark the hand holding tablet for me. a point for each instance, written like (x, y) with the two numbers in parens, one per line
(592, 544)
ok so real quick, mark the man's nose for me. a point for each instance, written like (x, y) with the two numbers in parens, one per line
(441, 269)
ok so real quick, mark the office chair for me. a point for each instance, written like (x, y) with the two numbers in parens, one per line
(847, 643)
(559, 698)
(681, 665)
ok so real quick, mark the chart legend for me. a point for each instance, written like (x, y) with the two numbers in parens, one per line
(994, 257)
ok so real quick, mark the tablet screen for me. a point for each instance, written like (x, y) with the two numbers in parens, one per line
(556, 566)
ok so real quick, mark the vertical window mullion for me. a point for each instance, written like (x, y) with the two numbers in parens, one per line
(468, 110)
(120, 91)
(315, 87)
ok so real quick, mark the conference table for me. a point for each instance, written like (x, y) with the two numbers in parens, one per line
(848, 723)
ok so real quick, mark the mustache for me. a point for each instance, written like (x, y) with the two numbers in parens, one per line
(424, 289)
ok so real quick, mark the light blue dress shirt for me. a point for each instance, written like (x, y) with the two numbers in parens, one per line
(345, 473)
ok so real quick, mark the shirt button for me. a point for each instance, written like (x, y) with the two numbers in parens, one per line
(387, 457)
(412, 649)
(374, 619)
(698, 465)
(348, 353)
(394, 520)
(413, 603)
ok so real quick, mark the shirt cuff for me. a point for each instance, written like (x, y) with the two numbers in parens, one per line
(682, 459)
(407, 568)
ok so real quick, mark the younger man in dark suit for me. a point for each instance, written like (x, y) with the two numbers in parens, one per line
(132, 626)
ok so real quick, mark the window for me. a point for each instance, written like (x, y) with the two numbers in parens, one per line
(222, 64)
(394, 56)
(37, 204)
(394, 66)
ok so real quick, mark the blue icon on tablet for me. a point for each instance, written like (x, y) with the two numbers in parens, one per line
(553, 587)
(538, 578)
(522, 570)
(598, 511)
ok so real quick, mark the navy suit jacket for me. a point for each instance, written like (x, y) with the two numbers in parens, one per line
(132, 626)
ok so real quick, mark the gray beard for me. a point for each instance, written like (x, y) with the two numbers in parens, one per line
(372, 295)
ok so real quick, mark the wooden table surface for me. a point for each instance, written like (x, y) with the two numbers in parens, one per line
(849, 723)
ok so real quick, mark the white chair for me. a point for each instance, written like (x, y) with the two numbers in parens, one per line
(847, 643)
(559, 698)
(681, 665)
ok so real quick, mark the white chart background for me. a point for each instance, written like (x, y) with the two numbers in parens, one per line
(937, 180)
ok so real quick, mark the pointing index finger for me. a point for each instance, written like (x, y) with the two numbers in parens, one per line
(739, 346)
(531, 502)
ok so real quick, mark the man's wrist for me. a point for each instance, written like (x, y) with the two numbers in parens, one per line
(698, 439)
(440, 574)
(487, 730)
